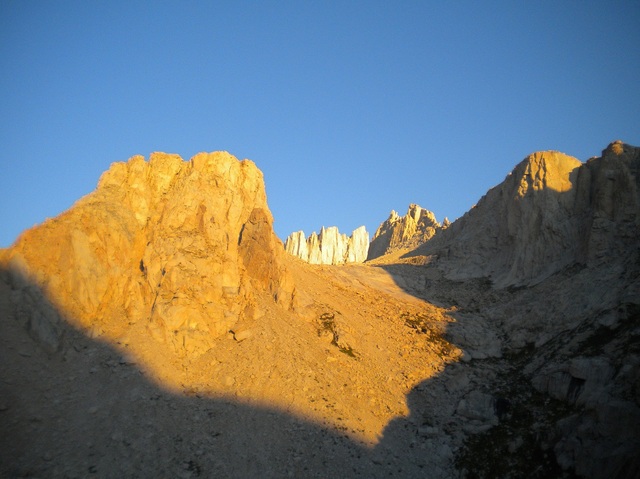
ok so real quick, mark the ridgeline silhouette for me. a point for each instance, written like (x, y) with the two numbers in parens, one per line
(158, 328)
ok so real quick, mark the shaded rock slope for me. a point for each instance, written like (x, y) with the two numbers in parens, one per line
(550, 212)
(158, 328)
(554, 252)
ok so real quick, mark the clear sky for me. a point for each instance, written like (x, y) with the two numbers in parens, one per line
(350, 108)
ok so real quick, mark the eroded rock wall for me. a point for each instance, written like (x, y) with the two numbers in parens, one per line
(330, 246)
(185, 247)
(550, 212)
(401, 232)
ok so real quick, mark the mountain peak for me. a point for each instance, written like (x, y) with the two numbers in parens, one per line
(401, 232)
(545, 169)
(330, 246)
(189, 244)
(548, 213)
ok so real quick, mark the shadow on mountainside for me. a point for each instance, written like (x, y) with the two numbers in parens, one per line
(478, 410)
(84, 410)
(79, 407)
(544, 292)
(551, 212)
(72, 406)
(581, 420)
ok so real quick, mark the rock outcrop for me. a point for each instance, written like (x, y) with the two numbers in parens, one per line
(564, 237)
(358, 246)
(512, 334)
(403, 232)
(330, 246)
(185, 248)
(550, 212)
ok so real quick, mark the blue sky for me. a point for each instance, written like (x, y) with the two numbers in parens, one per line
(350, 108)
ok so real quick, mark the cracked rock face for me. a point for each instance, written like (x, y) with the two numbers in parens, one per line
(550, 212)
(514, 344)
(181, 246)
(330, 246)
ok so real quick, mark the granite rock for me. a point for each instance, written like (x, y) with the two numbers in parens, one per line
(402, 232)
(330, 246)
(183, 247)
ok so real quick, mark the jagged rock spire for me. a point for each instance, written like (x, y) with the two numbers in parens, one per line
(330, 246)
(408, 231)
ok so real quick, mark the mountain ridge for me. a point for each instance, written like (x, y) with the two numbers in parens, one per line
(558, 211)
(401, 232)
(513, 329)
(146, 231)
(329, 247)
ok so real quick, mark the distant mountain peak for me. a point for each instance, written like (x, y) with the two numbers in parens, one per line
(403, 232)
(330, 246)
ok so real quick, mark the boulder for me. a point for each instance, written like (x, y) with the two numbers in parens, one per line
(477, 405)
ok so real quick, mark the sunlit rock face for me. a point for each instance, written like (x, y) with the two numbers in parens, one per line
(166, 255)
(330, 246)
(401, 232)
(296, 245)
(358, 246)
(550, 212)
(184, 248)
